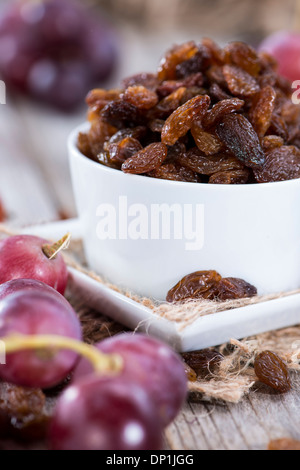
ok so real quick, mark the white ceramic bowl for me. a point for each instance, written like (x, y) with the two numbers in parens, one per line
(246, 231)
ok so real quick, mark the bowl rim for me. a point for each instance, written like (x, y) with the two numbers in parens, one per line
(83, 127)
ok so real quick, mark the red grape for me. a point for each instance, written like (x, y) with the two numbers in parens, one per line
(284, 46)
(38, 312)
(41, 41)
(150, 364)
(105, 414)
(17, 285)
(22, 257)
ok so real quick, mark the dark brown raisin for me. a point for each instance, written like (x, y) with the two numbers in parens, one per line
(141, 97)
(271, 370)
(278, 127)
(219, 110)
(261, 112)
(146, 160)
(233, 288)
(120, 114)
(126, 148)
(239, 82)
(217, 94)
(237, 133)
(204, 361)
(230, 177)
(281, 164)
(181, 120)
(208, 165)
(198, 285)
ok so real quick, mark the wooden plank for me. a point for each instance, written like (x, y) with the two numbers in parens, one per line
(47, 133)
(249, 425)
(23, 188)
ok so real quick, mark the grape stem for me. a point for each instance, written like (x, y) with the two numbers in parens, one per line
(102, 363)
(51, 251)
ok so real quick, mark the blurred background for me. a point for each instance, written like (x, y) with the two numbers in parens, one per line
(52, 52)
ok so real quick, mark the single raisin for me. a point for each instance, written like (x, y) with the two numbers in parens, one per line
(230, 177)
(234, 288)
(141, 97)
(261, 112)
(198, 285)
(208, 143)
(173, 172)
(120, 114)
(237, 133)
(146, 160)
(221, 109)
(208, 165)
(278, 127)
(217, 94)
(181, 120)
(271, 370)
(204, 361)
(281, 164)
(239, 82)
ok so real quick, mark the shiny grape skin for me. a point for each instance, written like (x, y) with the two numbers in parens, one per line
(17, 285)
(105, 414)
(21, 257)
(152, 365)
(38, 313)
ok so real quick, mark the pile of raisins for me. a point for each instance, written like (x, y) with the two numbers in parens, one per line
(210, 285)
(209, 115)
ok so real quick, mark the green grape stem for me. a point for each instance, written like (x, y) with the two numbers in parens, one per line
(102, 363)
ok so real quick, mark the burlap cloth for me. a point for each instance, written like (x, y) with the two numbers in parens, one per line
(235, 376)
